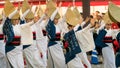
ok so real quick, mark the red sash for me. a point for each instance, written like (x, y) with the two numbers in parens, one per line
(16, 41)
(108, 39)
(1, 36)
(44, 32)
(34, 35)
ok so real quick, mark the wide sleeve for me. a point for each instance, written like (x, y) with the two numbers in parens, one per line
(54, 14)
(24, 14)
(85, 39)
(26, 33)
(41, 18)
(12, 14)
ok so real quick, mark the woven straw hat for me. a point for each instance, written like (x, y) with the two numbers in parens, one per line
(39, 11)
(106, 18)
(51, 6)
(114, 12)
(71, 17)
(75, 10)
(9, 8)
(25, 7)
(0, 16)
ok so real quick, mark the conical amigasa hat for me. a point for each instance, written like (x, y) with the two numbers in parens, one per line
(75, 10)
(114, 12)
(9, 8)
(106, 18)
(16, 16)
(51, 6)
(0, 16)
(25, 7)
(39, 11)
(71, 17)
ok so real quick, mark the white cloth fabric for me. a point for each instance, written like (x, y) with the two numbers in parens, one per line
(16, 29)
(109, 57)
(26, 33)
(1, 30)
(42, 46)
(56, 57)
(2, 55)
(58, 29)
(2, 50)
(43, 24)
(3, 59)
(32, 57)
(111, 33)
(108, 52)
(32, 54)
(85, 39)
(43, 59)
(75, 63)
(84, 59)
(50, 60)
(42, 42)
(15, 57)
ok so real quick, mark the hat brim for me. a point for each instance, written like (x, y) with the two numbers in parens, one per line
(71, 18)
(114, 12)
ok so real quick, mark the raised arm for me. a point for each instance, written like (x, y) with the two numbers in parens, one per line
(102, 26)
(84, 23)
(3, 16)
(89, 24)
(42, 17)
(76, 27)
(24, 14)
(55, 12)
(12, 14)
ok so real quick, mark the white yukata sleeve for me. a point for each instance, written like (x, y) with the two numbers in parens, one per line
(54, 14)
(39, 34)
(92, 29)
(12, 14)
(83, 36)
(62, 23)
(43, 24)
(63, 27)
(40, 20)
(24, 14)
(102, 26)
(28, 24)
(86, 28)
(82, 24)
(76, 27)
(23, 18)
(4, 18)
